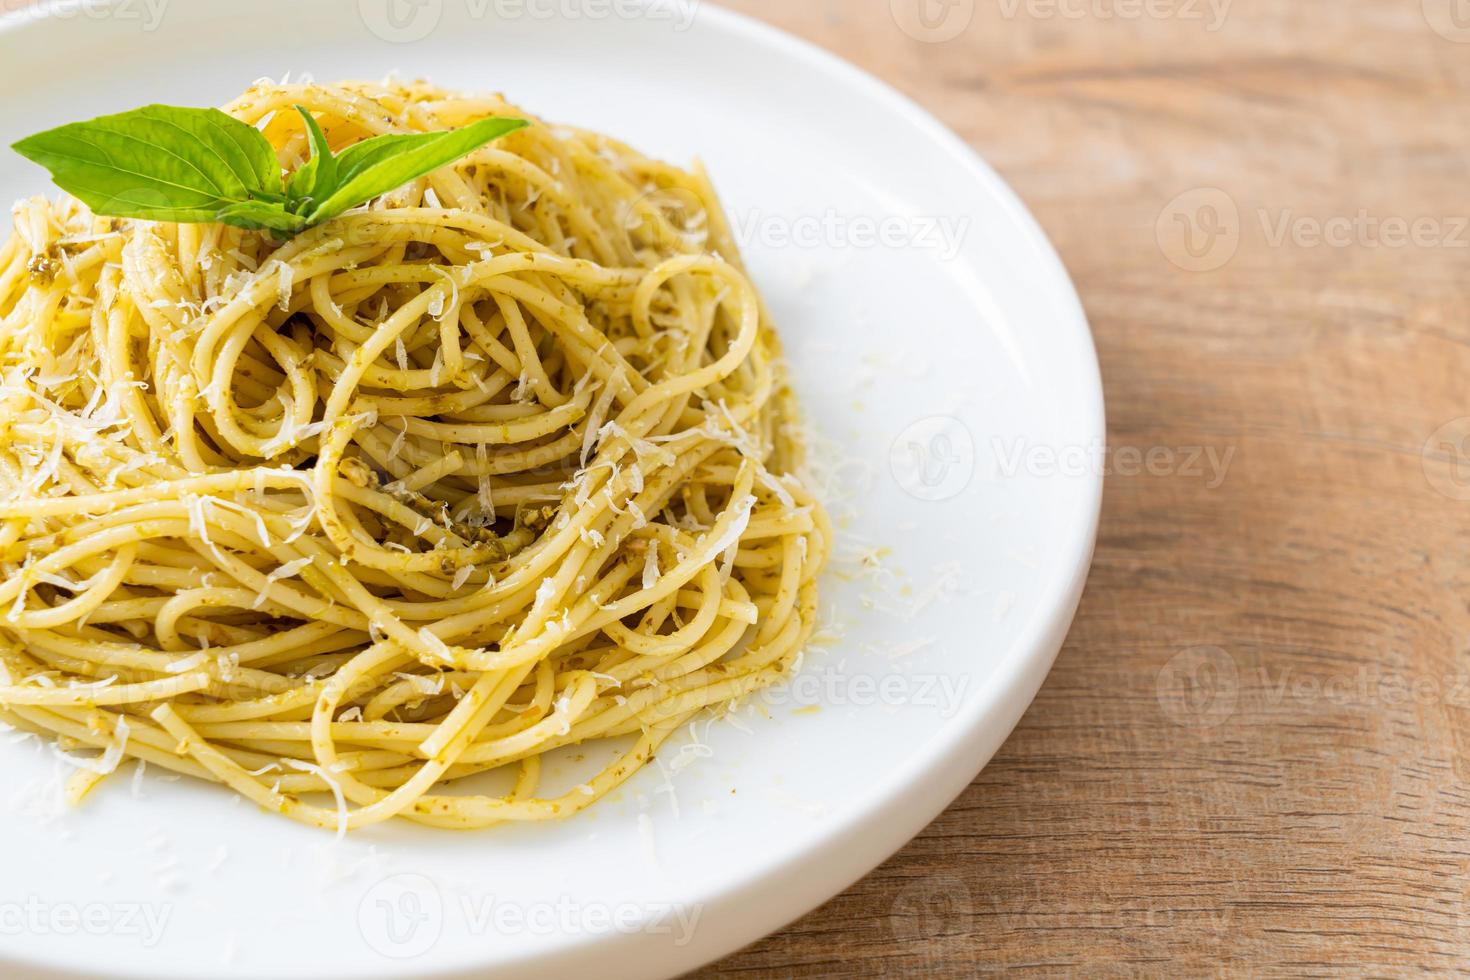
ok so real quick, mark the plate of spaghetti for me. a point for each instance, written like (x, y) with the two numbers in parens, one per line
(527, 489)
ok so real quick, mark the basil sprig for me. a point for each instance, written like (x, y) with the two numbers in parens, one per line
(168, 163)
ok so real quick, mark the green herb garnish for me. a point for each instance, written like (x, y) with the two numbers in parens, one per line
(167, 163)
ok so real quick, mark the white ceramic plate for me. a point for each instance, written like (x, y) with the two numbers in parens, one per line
(936, 342)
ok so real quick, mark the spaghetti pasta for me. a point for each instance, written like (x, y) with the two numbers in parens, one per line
(504, 462)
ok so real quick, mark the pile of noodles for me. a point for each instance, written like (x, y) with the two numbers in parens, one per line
(503, 462)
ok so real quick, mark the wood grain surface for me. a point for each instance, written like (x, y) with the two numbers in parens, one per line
(1251, 756)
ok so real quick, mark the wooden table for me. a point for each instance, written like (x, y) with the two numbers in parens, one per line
(1251, 756)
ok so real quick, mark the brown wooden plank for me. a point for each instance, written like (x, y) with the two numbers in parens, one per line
(1313, 816)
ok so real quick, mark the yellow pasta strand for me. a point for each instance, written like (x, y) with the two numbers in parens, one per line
(504, 462)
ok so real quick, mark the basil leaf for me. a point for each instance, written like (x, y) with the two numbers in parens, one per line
(370, 152)
(318, 175)
(162, 163)
(167, 163)
(269, 215)
(384, 163)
